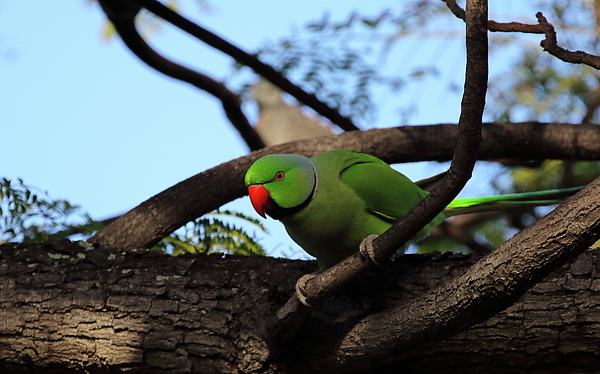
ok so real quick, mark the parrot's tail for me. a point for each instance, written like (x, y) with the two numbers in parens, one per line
(510, 201)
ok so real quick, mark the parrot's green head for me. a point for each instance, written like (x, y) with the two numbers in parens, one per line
(280, 184)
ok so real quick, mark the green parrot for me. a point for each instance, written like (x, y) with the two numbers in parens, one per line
(332, 201)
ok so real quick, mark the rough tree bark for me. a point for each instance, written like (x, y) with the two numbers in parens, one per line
(69, 307)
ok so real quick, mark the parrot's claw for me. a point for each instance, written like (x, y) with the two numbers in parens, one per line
(301, 288)
(366, 248)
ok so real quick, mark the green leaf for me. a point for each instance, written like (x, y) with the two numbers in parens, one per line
(210, 234)
(31, 217)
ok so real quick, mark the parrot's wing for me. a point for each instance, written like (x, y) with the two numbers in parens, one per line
(385, 191)
(428, 184)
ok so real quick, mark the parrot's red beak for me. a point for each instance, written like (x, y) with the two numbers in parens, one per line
(259, 196)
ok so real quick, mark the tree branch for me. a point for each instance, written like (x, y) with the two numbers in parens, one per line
(549, 44)
(469, 138)
(496, 26)
(251, 61)
(487, 287)
(463, 161)
(125, 26)
(148, 223)
(67, 305)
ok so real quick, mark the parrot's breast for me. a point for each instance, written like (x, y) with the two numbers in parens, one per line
(333, 224)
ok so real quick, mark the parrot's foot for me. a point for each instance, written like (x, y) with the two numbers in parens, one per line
(366, 248)
(301, 288)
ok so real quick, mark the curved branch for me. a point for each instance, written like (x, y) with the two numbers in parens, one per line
(249, 60)
(148, 223)
(125, 26)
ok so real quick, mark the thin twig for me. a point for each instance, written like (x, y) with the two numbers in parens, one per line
(317, 289)
(549, 44)
(497, 26)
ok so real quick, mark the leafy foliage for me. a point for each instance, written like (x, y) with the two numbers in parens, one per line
(540, 88)
(30, 215)
(554, 174)
(209, 234)
(342, 60)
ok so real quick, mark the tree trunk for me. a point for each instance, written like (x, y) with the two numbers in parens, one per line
(67, 306)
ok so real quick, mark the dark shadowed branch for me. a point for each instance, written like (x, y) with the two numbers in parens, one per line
(249, 60)
(125, 26)
(469, 134)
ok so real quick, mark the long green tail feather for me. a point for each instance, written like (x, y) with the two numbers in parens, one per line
(510, 201)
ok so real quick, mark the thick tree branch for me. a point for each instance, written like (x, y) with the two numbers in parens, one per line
(487, 287)
(147, 224)
(68, 307)
(249, 60)
(125, 26)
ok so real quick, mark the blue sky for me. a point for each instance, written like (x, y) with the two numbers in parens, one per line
(85, 120)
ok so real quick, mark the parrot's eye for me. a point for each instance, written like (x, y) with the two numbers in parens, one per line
(279, 176)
